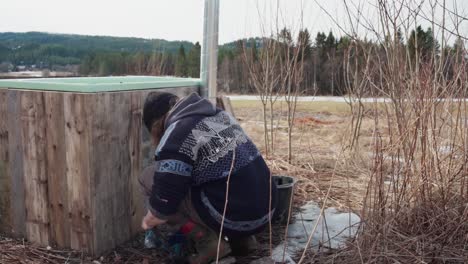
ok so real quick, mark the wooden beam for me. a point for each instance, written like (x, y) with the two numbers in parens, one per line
(15, 154)
(5, 180)
(111, 171)
(137, 208)
(36, 200)
(78, 172)
(57, 169)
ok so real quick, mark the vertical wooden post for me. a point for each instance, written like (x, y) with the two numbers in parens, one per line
(15, 154)
(137, 208)
(111, 171)
(57, 169)
(78, 172)
(5, 180)
(35, 178)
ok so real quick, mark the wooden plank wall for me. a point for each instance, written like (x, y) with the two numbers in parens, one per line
(73, 165)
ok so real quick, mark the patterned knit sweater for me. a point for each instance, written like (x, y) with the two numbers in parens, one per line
(200, 147)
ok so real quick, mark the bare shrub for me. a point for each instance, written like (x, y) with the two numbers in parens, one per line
(416, 206)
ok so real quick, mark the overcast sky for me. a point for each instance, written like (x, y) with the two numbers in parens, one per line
(178, 19)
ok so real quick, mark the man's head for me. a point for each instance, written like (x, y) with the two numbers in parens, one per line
(157, 106)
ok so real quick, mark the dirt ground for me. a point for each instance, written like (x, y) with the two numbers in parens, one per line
(318, 139)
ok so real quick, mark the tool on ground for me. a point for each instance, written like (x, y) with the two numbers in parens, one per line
(191, 244)
(175, 244)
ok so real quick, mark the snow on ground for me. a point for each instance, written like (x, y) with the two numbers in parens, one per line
(337, 99)
(35, 74)
(332, 231)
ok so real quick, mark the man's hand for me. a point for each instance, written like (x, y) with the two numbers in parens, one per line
(150, 221)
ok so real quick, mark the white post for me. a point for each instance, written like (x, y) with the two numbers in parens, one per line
(209, 54)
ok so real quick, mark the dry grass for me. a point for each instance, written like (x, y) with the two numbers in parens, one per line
(21, 252)
(312, 107)
(317, 146)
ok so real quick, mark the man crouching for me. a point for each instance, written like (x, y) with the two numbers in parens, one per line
(200, 148)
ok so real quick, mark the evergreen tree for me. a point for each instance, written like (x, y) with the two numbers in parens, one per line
(285, 37)
(320, 40)
(459, 46)
(400, 36)
(423, 43)
(303, 39)
(254, 50)
(330, 41)
(343, 43)
(239, 48)
(104, 69)
(193, 61)
(181, 63)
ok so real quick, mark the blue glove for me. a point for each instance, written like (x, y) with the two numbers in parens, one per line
(152, 241)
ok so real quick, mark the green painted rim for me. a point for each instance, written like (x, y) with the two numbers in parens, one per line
(99, 84)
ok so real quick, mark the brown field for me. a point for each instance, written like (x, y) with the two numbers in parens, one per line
(321, 130)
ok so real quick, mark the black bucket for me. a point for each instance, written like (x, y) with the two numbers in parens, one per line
(285, 186)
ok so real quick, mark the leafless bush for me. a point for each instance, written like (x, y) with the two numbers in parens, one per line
(263, 73)
(416, 206)
(277, 69)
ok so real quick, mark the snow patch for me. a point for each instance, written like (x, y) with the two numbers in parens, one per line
(332, 231)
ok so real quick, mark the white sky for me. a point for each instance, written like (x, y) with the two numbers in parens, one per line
(179, 19)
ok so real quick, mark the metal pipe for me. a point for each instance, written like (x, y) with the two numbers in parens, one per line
(209, 55)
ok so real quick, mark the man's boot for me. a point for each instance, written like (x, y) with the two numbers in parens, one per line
(243, 246)
(205, 242)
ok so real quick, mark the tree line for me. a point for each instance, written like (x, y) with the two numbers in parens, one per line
(47, 51)
(325, 57)
(186, 63)
(325, 60)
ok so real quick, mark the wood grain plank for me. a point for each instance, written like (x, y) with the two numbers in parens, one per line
(15, 151)
(137, 203)
(112, 170)
(56, 169)
(120, 103)
(78, 171)
(34, 162)
(5, 180)
(102, 169)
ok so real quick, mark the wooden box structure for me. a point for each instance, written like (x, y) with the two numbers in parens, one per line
(71, 151)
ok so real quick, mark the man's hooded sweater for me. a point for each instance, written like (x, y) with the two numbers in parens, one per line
(200, 148)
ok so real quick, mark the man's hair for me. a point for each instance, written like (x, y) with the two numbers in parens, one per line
(157, 104)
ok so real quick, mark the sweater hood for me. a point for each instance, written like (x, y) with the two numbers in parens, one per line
(190, 106)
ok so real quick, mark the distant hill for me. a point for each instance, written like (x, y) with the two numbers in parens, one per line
(62, 49)
(39, 50)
